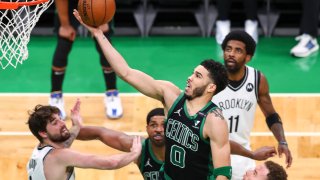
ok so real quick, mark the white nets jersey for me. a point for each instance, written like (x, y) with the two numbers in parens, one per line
(238, 105)
(35, 166)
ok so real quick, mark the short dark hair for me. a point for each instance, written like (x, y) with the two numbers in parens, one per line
(276, 172)
(217, 73)
(243, 37)
(39, 118)
(155, 112)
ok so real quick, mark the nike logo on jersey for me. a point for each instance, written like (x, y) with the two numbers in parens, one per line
(178, 112)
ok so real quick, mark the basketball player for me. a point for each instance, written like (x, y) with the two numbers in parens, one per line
(247, 88)
(269, 170)
(195, 130)
(153, 148)
(66, 37)
(52, 159)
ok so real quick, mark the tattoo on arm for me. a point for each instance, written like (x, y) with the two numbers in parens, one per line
(74, 131)
(218, 113)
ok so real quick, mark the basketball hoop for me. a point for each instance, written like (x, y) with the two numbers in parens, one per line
(17, 19)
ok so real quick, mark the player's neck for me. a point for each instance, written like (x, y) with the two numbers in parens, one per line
(237, 76)
(158, 151)
(196, 104)
(53, 144)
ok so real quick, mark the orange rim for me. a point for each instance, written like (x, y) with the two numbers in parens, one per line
(15, 5)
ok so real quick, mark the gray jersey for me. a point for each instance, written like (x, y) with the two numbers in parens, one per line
(35, 165)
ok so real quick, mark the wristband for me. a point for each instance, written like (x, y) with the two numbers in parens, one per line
(283, 143)
(223, 171)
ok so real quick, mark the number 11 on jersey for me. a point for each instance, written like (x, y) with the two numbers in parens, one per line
(234, 120)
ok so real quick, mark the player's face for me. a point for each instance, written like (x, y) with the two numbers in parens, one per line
(235, 56)
(155, 130)
(259, 173)
(197, 83)
(57, 130)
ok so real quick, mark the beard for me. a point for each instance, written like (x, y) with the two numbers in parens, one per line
(63, 136)
(157, 143)
(197, 92)
(232, 69)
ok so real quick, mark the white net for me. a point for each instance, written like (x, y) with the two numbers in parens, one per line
(15, 29)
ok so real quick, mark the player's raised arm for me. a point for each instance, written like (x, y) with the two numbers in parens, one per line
(141, 81)
(76, 123)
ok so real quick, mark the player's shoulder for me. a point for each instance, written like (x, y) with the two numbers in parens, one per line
(215, 115)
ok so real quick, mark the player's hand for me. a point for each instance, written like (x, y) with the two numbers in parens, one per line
(136, 146)
(75, 114)
(67, 32)
(104, 27)
(93, 30)
(282, 148)
(264, 153)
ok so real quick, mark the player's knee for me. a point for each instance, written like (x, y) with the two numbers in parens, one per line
(63, 49)
(58, 69)
(107, 70)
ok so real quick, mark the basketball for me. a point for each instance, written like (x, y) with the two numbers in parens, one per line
(96, 12)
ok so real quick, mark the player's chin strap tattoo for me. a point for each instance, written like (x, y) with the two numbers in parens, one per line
(273, 119)
(223, 171)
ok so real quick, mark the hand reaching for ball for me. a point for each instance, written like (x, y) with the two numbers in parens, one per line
(93, 30)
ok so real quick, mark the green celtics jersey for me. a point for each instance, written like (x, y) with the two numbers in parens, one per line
(188, 153)
(149, 164)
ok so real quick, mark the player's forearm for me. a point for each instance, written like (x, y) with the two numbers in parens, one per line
(120, 160)
(237, 149)
(115, 139)
(88, 133)
(117, 62)
(222, 160)
(74, 131)
(278, 132)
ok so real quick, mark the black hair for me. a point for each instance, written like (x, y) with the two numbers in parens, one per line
(217, 73)
(39, 118)
(155, 112)
(243, 37)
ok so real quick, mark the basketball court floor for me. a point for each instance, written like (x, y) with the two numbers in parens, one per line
(294, 84)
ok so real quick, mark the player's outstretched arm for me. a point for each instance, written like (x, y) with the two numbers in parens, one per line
(141, 81)
(76, 123)
(262, 153)
(112, 138)
(216, 129)
(273, 119)
(67, 157)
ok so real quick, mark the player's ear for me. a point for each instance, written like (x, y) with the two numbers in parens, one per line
(212, 87)
(43, 134)
(248, 58)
